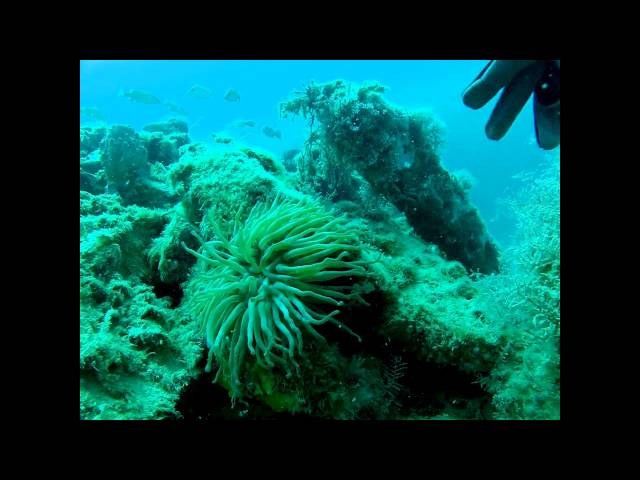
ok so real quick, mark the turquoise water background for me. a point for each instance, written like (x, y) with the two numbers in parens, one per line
(262, 84)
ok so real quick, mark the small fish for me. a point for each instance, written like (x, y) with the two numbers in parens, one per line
(244, 123)
(175, 108)
(270, 132)
(92, 112)
(199, 92)
(221, 138)
(232, 96)
(140, 96)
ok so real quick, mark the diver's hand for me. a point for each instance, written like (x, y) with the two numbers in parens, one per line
(519, 78)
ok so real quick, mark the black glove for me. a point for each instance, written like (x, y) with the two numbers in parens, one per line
(519, 78)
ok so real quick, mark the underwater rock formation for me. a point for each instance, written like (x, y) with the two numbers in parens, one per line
(353, 129)
(136, 352)
(172, 125)
(436, 341)
(164, 140)
(90, 138)
(124, 158)
(92, 178)
(242, 177)
(121, 161)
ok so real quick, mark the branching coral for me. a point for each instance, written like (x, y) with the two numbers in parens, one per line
(525, 299)
(260, 287)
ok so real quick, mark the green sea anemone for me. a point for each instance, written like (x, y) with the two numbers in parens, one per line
(269, 280)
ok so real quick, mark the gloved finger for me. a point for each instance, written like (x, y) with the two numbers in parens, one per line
(513, 98)
(547, 125)
(495, 75)
(546, 107)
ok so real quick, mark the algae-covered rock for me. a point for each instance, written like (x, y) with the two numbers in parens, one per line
(172, 125)
(124, 157)
(114, 238)
(167, 252)
(163, 148)
(354, 129)
(128, 169)
(136, 352)
(92, 178)
(431, 341)
(90, 138)
(163, 140)
(431, 308)
(214, 183)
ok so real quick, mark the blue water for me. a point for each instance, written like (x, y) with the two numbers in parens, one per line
(262, 85)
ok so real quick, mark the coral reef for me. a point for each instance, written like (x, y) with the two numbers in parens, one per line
(208, 274)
